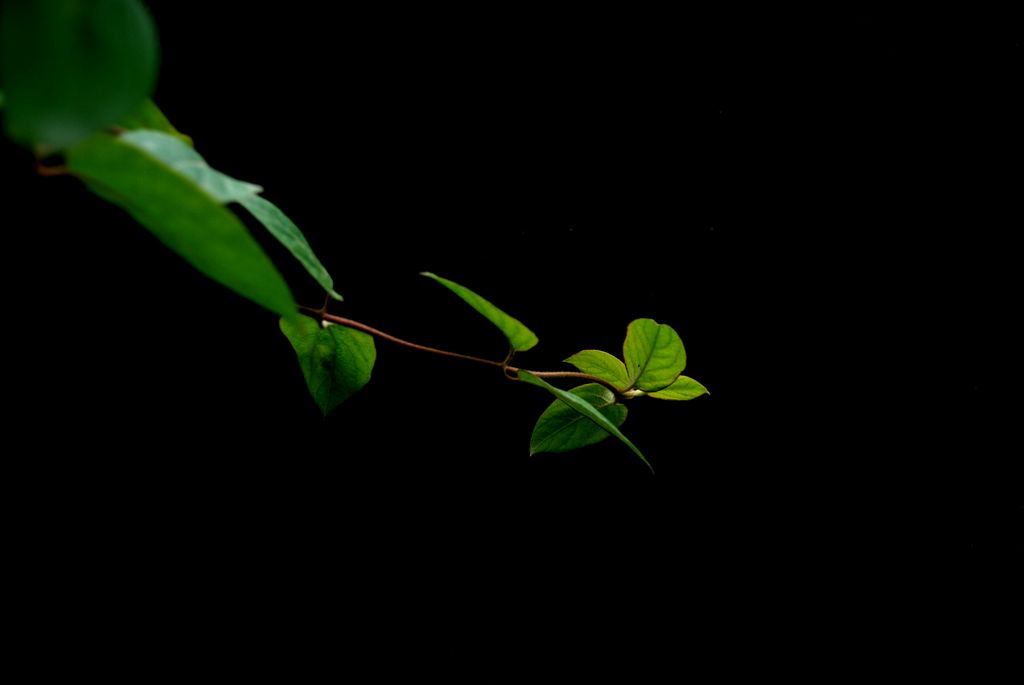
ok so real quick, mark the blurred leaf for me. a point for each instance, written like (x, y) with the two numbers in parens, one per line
(184, 217)
(336, 361)
(654, 355)
(519, 336)
(562, 428)
(580, 405)
(176, 154)
(72, 67)
(148, 116)
(289, 235)
(603, 365)
(685, 388)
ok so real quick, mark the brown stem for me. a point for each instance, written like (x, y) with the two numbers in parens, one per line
(404, 343)
(51, 169)
(340, 320)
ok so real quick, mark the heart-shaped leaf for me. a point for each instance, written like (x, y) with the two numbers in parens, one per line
(583, 407)
(685, 388)
(519, 336)
(603, 365)
(561, 428)
(654, 355)
(336, 361)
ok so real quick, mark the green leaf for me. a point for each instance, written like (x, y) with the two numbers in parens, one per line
(580, 405)
(519, 336)
(603, 365)
(289, 235)
(685, 388)
(183, 159)
(184, 217)
(336, 361)
(176, 154)
(72, 67)
(561, 428)
(654, 355)
(148, 116)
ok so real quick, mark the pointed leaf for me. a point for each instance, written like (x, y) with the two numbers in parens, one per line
(179, 156)
(336, 361)
(586, 409)
(603, 365)
(176, 154)
(519, 336)
(149, 117)
(685, 388)
(289, 235)
(561, 428)
(654, 355)
(71, 68)
(183, 216)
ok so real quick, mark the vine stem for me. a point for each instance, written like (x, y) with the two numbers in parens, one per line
(359, 326)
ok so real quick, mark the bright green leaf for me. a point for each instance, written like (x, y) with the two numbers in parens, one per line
(184, 217)
(73, 67)
(336, 361)
(176, 154)
(289, 235)
(519, 336)
(685, 388)
(654, 355)
(561, 428)
(580, 405)
(603, 365)
(148, 116)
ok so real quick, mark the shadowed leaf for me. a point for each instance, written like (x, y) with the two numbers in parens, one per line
(580, 405)
(562, 428)
(336, 361)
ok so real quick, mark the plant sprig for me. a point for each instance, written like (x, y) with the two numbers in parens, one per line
(85, 111)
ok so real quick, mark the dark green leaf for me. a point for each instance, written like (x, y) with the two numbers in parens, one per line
(603, 365)
(289, 235)
(654, 355)
(148, 116)
(335, 361)
(586, 409)
(519, 336)
(561, 428)
(184, 217)
(176, 154)
(72, 67)
(685, 388)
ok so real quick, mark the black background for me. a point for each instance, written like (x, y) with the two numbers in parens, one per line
(820, 211)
